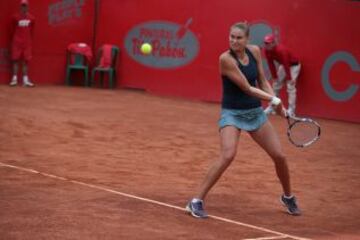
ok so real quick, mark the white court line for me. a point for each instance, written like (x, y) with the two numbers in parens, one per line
(279, 234)
(267, 238)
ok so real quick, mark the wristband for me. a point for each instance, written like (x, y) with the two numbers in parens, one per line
(275, 101)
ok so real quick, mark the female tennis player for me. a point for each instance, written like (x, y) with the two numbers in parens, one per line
(241, 71)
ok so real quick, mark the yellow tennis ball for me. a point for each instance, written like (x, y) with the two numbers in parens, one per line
(146, 48)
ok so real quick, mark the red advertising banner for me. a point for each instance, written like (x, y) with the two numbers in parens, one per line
(187, 38)
(323, 34)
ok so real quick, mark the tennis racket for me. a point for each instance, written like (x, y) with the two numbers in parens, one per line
(302, 132)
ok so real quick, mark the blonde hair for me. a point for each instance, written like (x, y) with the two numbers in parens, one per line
(242, 26)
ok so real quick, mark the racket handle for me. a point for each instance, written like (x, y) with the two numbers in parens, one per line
(288, 119)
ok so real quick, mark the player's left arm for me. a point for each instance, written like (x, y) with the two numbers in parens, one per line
(262, 81)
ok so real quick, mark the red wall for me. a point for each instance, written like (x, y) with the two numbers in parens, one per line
(314, 30)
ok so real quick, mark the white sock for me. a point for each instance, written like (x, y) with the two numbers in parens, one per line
(195, 200)
(14, 78)
(26, 78)
(288, 197)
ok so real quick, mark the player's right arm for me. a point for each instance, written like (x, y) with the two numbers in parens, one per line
(228, 68)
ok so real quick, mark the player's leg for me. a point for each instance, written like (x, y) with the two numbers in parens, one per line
(291, 89)
(26, 80)
(15, 56)
(229, 137)
(27, 58)
(267, 138)
(15, 68)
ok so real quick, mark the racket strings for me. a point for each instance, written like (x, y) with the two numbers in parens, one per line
(304, 133)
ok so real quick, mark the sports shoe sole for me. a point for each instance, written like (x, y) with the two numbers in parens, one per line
(188, 210)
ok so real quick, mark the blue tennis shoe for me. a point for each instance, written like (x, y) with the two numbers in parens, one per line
(196, 208)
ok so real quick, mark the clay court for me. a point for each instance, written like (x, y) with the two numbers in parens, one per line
(82, 163)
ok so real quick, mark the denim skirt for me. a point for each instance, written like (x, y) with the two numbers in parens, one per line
(244, 119)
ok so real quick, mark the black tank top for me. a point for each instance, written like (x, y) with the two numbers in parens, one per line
(233, 97)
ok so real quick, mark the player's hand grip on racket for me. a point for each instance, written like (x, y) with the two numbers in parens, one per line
(278, 106)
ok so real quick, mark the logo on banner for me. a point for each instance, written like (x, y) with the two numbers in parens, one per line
(173, 45)
(349, 59)
(64, 10)
(258, 31)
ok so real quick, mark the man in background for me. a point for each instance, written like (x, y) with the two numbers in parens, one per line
(23, 25)
(289, 69)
